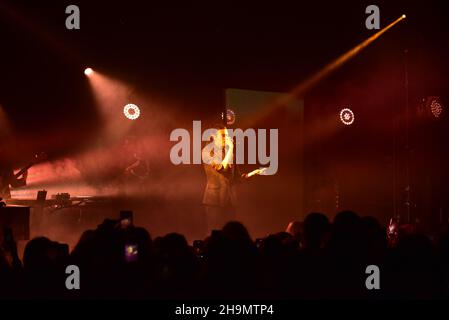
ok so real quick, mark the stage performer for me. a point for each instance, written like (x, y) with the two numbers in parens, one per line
(219, 199)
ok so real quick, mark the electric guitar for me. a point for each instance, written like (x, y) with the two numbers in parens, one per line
(38, 157)
(139, 170)
(5, 181)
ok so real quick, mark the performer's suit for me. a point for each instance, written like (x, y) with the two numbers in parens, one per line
(219, 197)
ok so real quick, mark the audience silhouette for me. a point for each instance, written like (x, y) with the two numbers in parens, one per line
(313, 259)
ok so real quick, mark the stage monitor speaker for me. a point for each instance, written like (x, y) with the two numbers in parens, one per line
(18, 219)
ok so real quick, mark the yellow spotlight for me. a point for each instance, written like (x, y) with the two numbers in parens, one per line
(404, 16)
(299, 90)
(88, 71)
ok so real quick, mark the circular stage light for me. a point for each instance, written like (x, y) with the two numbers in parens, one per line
(436, 108)
(347, 116)
(432, 107)
(88, 71)
(131, 111)
(230, 117)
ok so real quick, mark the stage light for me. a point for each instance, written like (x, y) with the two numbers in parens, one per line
(347, 116)
(404, 16)
(88, 71)
(131, 111)
(434, 107)
(304, 86)
(230, 117)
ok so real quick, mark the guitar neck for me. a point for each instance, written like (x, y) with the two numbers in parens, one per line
(23, 170)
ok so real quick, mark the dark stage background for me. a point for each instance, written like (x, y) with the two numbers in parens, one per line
(175, 61)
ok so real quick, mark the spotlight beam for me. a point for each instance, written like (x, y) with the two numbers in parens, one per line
(299, 90)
